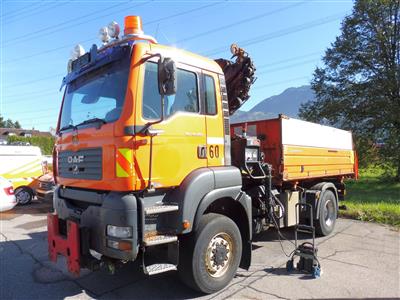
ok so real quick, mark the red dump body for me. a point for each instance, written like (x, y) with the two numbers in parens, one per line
(300, 150)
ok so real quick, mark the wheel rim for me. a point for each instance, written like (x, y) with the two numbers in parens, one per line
(329, 212)
(219, 255)
(23, 197)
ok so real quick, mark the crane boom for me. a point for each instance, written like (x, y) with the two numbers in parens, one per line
(239, 77)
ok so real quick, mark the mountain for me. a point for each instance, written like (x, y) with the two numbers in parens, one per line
(287, 103)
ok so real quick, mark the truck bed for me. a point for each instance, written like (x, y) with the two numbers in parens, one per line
(300, 150)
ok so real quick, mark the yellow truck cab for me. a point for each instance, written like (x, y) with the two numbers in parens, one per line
(143, 160)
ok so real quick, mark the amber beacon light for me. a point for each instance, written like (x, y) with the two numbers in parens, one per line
(133, 25)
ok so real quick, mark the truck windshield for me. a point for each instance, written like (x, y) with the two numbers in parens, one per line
(96, 96)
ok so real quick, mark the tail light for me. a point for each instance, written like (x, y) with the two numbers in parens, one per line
(9, 191)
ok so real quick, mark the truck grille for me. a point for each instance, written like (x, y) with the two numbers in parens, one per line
(82, 164)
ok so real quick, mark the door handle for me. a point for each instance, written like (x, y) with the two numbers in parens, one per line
(202, 151)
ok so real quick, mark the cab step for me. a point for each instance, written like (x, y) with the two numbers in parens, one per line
(158, 239)
(159, 209)
(160, 268)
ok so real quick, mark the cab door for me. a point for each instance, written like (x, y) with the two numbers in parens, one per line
(214, 119)
(180, 144)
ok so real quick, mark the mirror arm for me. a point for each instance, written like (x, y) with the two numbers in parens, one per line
(144, 59)
(145, 128)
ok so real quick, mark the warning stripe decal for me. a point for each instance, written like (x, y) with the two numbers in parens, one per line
(22, 168)
(124, 162)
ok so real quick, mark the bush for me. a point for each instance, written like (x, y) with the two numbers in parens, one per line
(45, 143)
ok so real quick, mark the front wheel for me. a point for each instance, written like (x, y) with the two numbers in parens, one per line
(23, 195)
(210, 256)
(327, 214)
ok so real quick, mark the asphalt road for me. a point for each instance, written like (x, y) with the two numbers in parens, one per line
(359, 260)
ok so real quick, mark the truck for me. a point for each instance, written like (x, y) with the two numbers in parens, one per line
(22, 165)
(149, 168)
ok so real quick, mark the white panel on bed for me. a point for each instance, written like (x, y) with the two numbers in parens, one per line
(302, 133)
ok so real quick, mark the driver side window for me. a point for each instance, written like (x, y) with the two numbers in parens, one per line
(185, 99)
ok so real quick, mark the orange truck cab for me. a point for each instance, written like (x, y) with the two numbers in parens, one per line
(143, 160)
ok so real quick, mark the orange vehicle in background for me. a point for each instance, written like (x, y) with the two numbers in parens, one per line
(145, 159)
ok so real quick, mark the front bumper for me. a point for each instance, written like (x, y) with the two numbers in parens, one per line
(46, 195)
(93, 211)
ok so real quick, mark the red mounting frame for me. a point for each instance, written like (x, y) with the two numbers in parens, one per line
(68, 247)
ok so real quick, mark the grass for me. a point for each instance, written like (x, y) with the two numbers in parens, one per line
(373, 198)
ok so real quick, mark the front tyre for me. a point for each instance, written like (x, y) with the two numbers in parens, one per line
(23, 195)
(210, 256)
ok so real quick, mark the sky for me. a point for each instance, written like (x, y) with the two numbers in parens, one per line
(286, 40)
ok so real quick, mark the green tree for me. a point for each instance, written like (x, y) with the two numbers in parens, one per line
(45, 143)
(9, 123)
(358, 88)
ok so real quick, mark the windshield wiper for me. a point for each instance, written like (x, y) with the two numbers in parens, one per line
(94, 120)
(70, 126)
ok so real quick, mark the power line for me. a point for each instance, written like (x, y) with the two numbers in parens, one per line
(286, 67)
(147, 23)
(287, 60)
(17, 11)
(269, 71)
(239, 22)
(254, 88)
(167, 17)
(279, 82)
(30, 93)
(49, 92)
(279, 62)
(82, 19)
(47, 51)
(34, 35)
(35, 80)
(24, 99)
(56, 4)
(24, 10)
(280, 33)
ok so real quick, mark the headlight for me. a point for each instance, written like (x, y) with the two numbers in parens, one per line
(113, 29)
(119, 232)
(103, 35)
(251, 154)
(77, 52)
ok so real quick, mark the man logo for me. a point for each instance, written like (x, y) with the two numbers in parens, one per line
(75, 169)
(75, 159)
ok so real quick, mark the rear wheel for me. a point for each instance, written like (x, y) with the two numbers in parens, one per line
(23, 195)
(210, 256)
(327, 214)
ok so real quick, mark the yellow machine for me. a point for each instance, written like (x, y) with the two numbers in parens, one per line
(144, 159)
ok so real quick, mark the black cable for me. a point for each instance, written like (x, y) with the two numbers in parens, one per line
(27, 9)
(35, 12)
(238, 23)
(71, 45)
(280, 33)
(82, 19)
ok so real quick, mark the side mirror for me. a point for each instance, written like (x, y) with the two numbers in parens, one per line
(166, 76)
